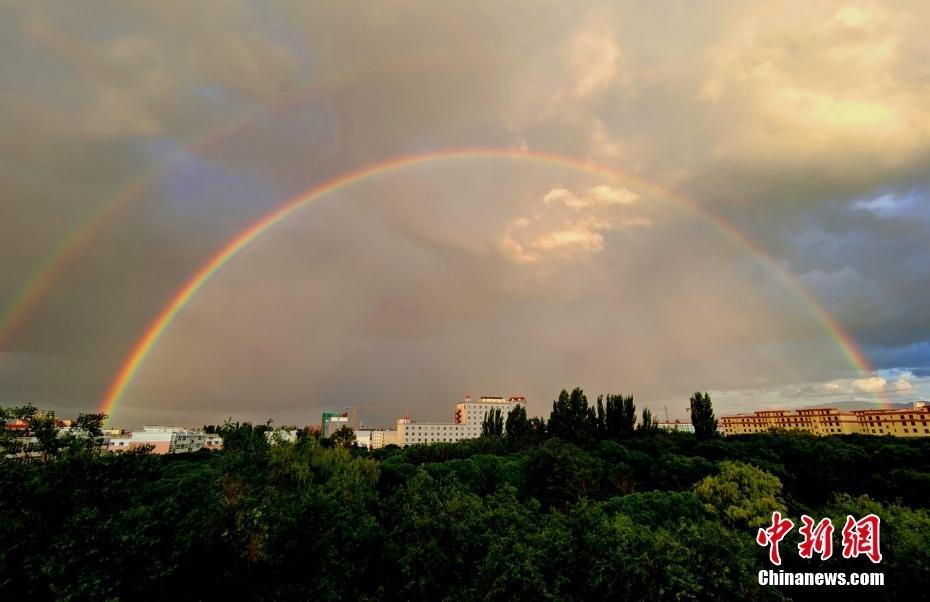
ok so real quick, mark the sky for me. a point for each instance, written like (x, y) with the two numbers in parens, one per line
(759, 163)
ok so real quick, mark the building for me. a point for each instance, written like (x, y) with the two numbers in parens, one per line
(164, 440)
(906, 422)
(909, 422)
(677, 426)
(468, 419)
(374, 438)
(212, 441)
(332, 422)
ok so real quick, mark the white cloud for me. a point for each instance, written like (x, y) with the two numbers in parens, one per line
(595, 196)
(871, 384)
(571, 225)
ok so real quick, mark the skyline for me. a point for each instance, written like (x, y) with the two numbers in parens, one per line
(740, 206)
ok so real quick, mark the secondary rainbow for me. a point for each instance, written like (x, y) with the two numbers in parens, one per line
(38, 284)
(130, 366)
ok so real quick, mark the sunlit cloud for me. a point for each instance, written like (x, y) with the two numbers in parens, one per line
(820, 81)
(570, 225)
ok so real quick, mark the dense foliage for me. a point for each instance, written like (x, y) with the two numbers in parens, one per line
(601, 511)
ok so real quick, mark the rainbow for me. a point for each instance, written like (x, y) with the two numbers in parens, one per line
(157, 328)
(38, 284)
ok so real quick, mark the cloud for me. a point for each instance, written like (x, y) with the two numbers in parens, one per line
(820, 82)
(872, 384)
(571, 225)
(593, 58)
(804, 124)
(596, 196)
(896, 204)
(894, 382)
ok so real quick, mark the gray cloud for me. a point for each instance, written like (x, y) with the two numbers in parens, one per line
(805, 126)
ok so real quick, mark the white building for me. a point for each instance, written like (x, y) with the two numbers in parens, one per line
(374, 438)
(469, 416)
(165, 440)
(678, 426)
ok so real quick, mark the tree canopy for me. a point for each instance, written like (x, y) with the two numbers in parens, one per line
(616, 513)
(702, 416)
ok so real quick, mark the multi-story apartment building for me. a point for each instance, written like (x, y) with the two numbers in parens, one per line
(907, 422)
(165, 440)
(912, 422)
(469, 416)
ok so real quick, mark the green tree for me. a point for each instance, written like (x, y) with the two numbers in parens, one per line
(702, 416)
(44, 427)
(243, 437)
(600, 419)
(89, 429)
(9, 438)
(517, 426)
(493, 424)
(742, 495)
(343, 437)
(649, 424)
(538, 427)
(571, 418)
(559, 473)
(619, 416)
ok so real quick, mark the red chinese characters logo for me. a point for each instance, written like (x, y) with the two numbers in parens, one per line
(817, 538)
(773, 535)
(859, 537)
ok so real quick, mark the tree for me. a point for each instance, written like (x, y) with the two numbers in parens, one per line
(517, 427)
(619, 416)
(559, 473)
(702, 416)
(742, 495)
(571, 418)
(344, 437)
(493, 424)
(243, 437)
(39, 424)
(600, 419)
(538, 426)
(9, 439)
(649, 424)
(44, 427)
(90, 429)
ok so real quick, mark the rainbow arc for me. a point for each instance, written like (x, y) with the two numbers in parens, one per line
(129, 368)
